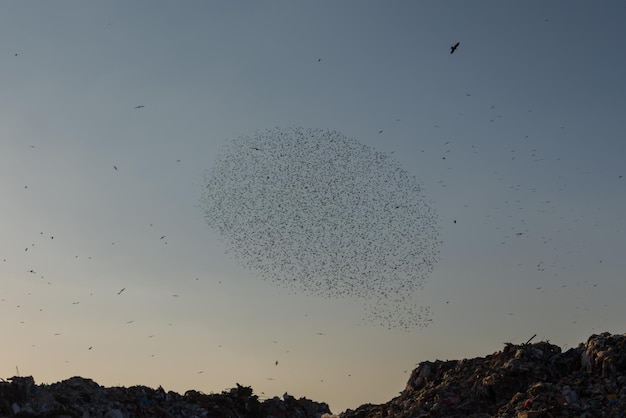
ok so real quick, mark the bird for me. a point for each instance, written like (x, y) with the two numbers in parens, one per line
(120, 292)
(139, 107)
(115, 167)
(277, 362)
(454, 47)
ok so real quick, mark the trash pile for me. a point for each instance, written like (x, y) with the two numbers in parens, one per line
(78, 397)
(521, 381)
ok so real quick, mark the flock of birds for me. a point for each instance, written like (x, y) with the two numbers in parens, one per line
(319, 213)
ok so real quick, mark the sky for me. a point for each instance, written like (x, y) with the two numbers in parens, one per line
(110, 271)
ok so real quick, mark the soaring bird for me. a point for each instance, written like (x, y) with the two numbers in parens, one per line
(454, 47)
(139, 107)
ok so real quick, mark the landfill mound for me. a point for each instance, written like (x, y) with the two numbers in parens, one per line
(78, 397)
(521, 381)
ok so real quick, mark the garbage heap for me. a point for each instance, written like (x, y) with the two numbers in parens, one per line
(521, 381)
(78, 397)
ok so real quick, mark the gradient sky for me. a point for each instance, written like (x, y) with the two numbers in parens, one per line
(528, 113)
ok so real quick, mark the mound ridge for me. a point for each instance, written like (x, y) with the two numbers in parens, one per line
(521, 381)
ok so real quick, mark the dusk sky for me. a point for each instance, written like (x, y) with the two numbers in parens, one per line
(112, 114)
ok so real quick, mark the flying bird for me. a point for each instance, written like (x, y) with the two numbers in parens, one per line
(454, 47)
(139, 107)
(120, 292)
(115, 167)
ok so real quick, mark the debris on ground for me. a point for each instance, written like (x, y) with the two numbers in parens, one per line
(521, 381)
(78, 397)
(536, 380)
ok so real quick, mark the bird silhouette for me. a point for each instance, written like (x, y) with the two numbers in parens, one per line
(454, 47)
(139, 107)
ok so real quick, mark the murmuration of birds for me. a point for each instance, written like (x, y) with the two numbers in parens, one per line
(321, 214)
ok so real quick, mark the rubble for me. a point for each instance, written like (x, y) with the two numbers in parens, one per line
(521, 381)
(78, 397)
